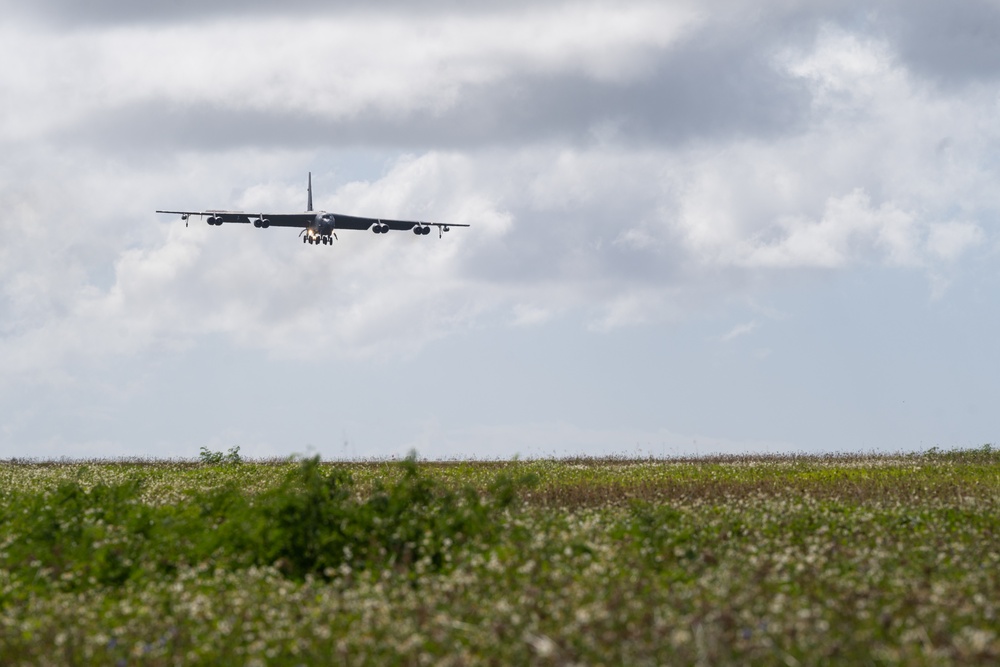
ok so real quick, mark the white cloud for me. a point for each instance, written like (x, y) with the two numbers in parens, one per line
(739, 330)
(624, 232)
(949, 240)
(526, 314)
(848, 228)
(847, 71)
(335, 66)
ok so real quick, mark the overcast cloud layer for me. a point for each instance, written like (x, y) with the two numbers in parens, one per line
(625, 166)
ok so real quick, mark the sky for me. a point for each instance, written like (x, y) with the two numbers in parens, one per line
(696, 227)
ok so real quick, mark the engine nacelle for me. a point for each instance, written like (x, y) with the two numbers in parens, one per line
(212, 220)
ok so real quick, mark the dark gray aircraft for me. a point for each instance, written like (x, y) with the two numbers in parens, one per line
(317, 226)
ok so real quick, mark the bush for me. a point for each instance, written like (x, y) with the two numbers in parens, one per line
(314, 522)
(208, 457)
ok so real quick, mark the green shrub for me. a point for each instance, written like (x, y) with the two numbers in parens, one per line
(312, 523)
(208, 457)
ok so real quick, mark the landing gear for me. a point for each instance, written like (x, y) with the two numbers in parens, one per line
(317, 239)
(313, 237)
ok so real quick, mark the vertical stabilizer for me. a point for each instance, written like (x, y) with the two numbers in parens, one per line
(310, 205)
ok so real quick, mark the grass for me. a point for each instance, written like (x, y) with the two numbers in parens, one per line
(724, 560)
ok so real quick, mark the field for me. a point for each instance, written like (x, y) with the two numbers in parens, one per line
(743, 560)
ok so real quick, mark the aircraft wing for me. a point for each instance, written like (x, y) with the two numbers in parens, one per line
(344, 221)
(354, 222)
(224, 216)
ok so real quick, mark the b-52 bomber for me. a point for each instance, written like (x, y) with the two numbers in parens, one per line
(317, 226)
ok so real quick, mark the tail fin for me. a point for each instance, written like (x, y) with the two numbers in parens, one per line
(310, 206)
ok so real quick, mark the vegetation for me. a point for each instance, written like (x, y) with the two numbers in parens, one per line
(725, 560)
(215, 458)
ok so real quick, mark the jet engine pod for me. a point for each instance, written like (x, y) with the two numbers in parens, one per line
(418, 230)
(256, 223)
(212, 220)
(265, 223)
